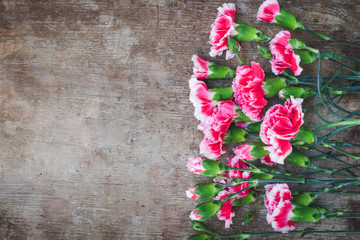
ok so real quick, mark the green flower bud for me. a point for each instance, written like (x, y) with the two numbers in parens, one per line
(296, 92)
(200, 236)
(303, 213)
(253, 127)
(248, 199)
(207, 191)
(306, 57)
(304, 198)
(222, 94)
(305, 134)
(272, 86)
(207, 209)
(220, 72)
(263, 175)
(264, 52)
(233, 45)
(212, 167)
(297, 44)
(258, 150)
(299, 159)
(288, 20)
(198, 226)
(247, 33)
(235, 135)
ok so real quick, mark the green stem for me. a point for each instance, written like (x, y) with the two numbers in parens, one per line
(325, 37)
(352, 122)
(241, 62)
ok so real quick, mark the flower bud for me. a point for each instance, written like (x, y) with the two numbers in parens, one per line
(204, 211)
(249, 126)
(263, 175)
(233, 45)
(305, 134)
(296, 92)
(265, 53)
(204, 166)
(299, 159)
(208, 70)
(288, 20)
(220, 72)
(203, 192)
(303, 213)
(306, 57)
(251, 197)
(272, 86)
(258, 150)
(247, 33)
(198, 226)
(235, 135)
(304, 198)
(200, 236)
(222, 94)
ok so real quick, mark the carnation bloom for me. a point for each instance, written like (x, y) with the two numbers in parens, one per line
(248, 90)
(279, 207)
(268, 10)
(193, 215)
(194, 165)
(190, 193)
(267, 160)
(201, 98)
(222, 29)
(201, 67)
(283, 57)
(226, 212)
(281, 123)
(243, 152)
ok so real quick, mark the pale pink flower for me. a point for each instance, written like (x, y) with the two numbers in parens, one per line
(201, 98)
(279, 207)
(226, 212)
(222, 29)
(283, 56)
(190, 193)
(268, 10)
(248, 90)
(201, 67)
(194, 165)
(280, 125)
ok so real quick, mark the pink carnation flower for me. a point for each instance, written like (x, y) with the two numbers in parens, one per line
(279, 207)
(194, 165)
(201, 98)
(281, 123)
(190, 193)
(222, 29)
(267, 160)
(248, 91)
(268, 10)
(201, 67)
(193, 215)
(226, 212)
(283, 57)
(212, 148)
(243, 152)
(236, 162)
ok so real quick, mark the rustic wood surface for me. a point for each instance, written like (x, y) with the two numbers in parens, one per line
(96, 126)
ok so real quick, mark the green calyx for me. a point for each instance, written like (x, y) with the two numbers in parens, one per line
(222, 94)
(200, 236)
(299, 159)
(235, 135)
(296, 92)
(241, 116)
(304, 198)
(248, 199)
(303, 213)
(288, 20)
(232, 45)
(265, 52)
(208, 209)
(253, 127)
(263, 175)
(220, 72)
(306, 57)
(212, 167)
(247, 33)
(207, 191)
(273, 85)
(198, 226)
(305, 134)
(258, 150)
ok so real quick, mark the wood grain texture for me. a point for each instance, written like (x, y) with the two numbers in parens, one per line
(95, 122)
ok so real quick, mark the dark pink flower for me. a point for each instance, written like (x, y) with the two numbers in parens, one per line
(267, 160)
(201, 98)
(268, 10)
(223, 115)
(281, 123)
(190, 193)
(194, 165)
(226, 212)
(201, 67)
(236, 162)
(243, 152)
(212, 148)
(248, 91)
(193, 215)
(279, 207)
(283, 56)
(221, 29)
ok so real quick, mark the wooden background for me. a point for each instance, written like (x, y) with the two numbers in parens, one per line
(95, 122)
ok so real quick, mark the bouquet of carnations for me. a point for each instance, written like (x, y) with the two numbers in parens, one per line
(273, 135)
